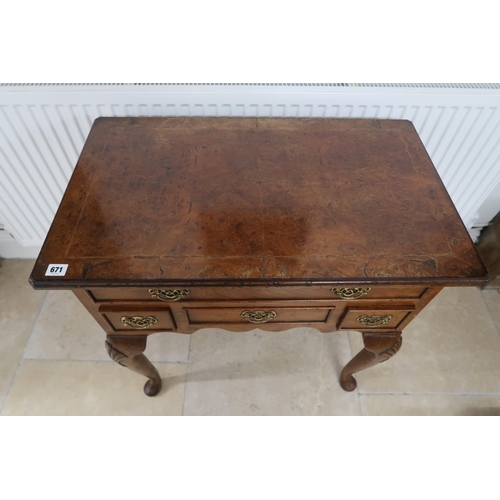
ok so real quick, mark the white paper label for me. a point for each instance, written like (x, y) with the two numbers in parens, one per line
(56, 270)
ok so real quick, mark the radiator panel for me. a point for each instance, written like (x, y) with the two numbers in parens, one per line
(43, 129)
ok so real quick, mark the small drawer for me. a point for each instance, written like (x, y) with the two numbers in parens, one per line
(258, 315)
(270, 292)
(139, 319)
(363, 319)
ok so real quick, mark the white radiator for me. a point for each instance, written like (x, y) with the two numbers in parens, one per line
(43, 128)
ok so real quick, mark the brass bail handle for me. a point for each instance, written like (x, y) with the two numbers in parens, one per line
(350, 293)
(139, 322)
(375, 320)
(259, 316)
(169, 295)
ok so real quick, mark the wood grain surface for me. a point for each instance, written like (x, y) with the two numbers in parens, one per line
(169, 200)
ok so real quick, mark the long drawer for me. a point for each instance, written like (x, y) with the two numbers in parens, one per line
(271, 292)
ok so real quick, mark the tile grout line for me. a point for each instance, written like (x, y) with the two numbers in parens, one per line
(430, 393)
(21, 359)
(187, 373)
(71, 360)
(489, 311)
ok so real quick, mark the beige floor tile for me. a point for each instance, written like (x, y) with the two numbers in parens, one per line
(492, 299)
(168, 347)
(451, 347)
(435, 404)
(66, 330)
(264, 373)
(19, 307)
(92, 388)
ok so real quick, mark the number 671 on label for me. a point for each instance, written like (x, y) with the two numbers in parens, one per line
(56, 270)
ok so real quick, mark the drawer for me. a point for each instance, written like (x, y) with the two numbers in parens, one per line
(271, 292)
(364, 319)
(258, 315)
(138, 319)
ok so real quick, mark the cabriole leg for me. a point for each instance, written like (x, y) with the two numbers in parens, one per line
(378, 347)
(127, 351)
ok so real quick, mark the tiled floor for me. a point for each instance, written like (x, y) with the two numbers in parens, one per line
(53, 362)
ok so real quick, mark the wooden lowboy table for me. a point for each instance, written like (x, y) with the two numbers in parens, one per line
(177, 224)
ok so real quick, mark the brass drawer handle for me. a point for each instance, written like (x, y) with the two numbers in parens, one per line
(169, 295)
(259, 316)
(375, 320)
(139, 322)
(350, 293)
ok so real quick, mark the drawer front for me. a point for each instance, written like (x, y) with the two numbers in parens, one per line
(312, 292)
(138, 319)
(373, 319)
(258, 315)
(238, 315)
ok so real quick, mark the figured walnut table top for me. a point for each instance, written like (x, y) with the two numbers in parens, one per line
(256, 199)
